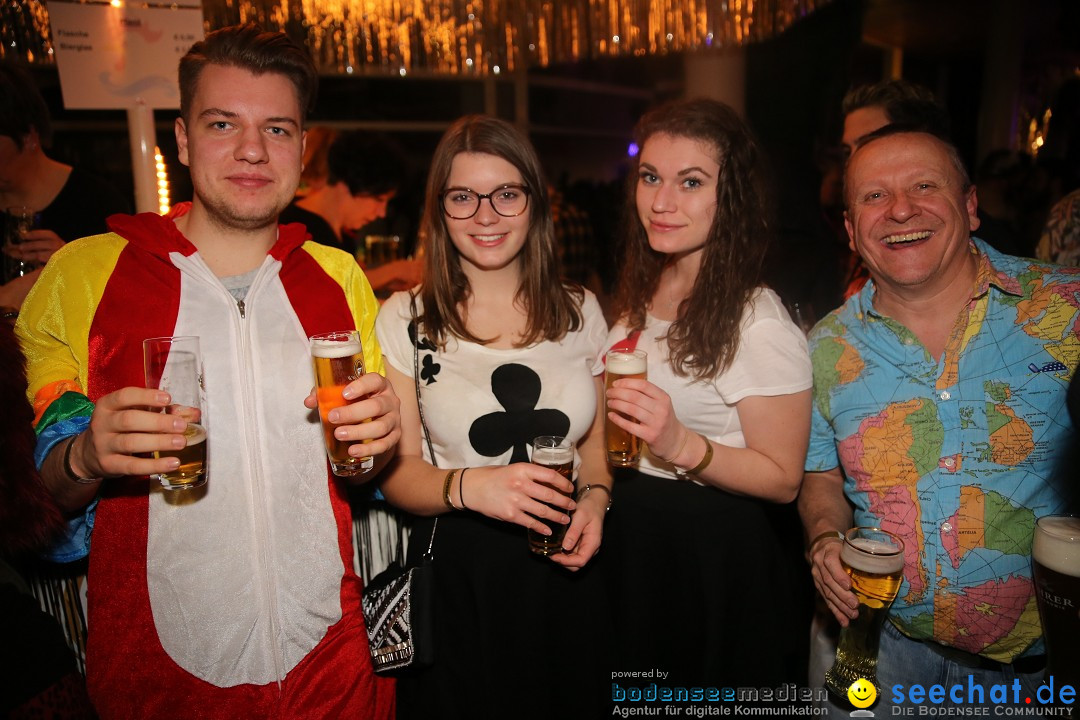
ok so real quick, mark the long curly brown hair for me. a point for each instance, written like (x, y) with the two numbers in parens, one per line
(704, 338)
(553, 305)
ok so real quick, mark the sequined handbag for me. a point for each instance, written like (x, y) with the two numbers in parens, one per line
(398, 610)
(398, 603)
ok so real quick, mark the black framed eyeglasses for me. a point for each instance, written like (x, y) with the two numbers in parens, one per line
(507, 200)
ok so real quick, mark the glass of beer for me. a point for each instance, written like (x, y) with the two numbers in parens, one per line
(174, 364)
(623, 448)
(874, 560)
(381, 249)
(557, 453)
(337, 359)
(1055, 554)
(20, 220)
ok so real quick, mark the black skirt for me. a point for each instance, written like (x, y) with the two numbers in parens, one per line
(709, 588)
(517, 636)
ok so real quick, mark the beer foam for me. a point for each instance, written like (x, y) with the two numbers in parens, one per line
(876, 558)
(1057, 544)
(626, 364)
(552, 455)
(194, 434)
(331, 349)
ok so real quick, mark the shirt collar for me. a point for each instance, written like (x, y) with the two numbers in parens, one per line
(987, 276)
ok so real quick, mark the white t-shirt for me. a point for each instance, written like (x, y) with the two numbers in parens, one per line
(772, 359)
(484, 406)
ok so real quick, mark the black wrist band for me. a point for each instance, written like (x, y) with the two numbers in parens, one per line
(70, 471)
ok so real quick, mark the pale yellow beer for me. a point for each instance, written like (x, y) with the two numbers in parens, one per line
(557, 453)
(1055, 554)
(337, 359)
(174, 364)
(623, 448)
(874, 560)
(192, 470)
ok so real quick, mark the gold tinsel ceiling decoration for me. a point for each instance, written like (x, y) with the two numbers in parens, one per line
(467, 37)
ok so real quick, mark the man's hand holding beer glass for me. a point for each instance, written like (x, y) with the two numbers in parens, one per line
(126, 428)
(370, 419)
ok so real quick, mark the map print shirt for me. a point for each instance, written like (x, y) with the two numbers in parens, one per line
(956, 456)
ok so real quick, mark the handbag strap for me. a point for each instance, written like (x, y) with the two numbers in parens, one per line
(420, 405)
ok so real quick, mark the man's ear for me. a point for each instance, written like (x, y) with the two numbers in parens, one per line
(180, 130)
(971, 204)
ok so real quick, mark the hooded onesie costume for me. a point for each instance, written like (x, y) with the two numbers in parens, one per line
(240, 602)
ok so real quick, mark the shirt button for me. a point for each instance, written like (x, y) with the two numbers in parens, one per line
(945, 395)
(908, 341)
(949, 462)
(947, 527)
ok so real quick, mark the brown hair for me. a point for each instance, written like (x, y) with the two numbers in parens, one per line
(704, 338)
(553, 305)
(251, 48)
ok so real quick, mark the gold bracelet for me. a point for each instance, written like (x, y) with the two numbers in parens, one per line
(446, 489)
(71, 471)
(827, 535)
(705, 460)
(675, 455)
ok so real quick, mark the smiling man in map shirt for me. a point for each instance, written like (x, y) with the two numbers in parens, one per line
(939, 415)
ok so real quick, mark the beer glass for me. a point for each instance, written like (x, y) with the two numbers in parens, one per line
(337, 359)
(874, 560)
(381, 249)
(20, 220)
(557, 453)
(623, 448)
(174, 364)
(1055, 553)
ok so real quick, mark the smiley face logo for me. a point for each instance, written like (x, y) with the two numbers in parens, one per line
(862, 693)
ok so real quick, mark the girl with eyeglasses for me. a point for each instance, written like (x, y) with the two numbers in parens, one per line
(504, 351)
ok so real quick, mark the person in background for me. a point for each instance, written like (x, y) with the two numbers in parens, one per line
(1059, 241)
(703, 534)
(939, 415)
(364, 172)
(238, 600)
(507, 352)
(316, 150)
(69, 202)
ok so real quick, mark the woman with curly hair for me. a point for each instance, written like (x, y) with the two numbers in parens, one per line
(700, 532)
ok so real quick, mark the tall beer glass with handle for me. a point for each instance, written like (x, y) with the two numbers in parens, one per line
(874, 560)
(1055, 553)
(174, 364)
(337, 359)
(623, 448)
(557, 453)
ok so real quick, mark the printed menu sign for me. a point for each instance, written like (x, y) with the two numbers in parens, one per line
(114, 57)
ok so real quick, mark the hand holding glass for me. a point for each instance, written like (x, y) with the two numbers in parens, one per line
(557, 453)
(337, 359)
(174, 364)
(874, 560)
